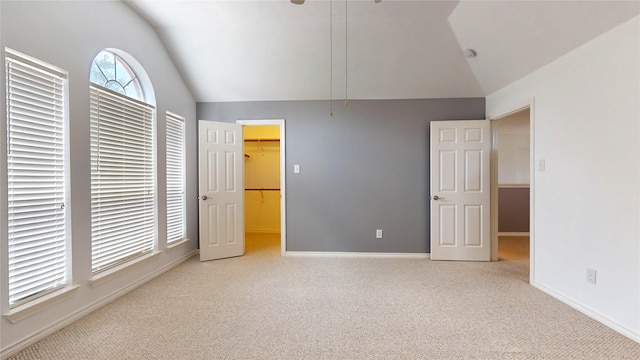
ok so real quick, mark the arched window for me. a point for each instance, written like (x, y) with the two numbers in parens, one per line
(110, 71)
(123, 190)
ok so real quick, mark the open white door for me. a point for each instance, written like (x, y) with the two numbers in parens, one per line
(460, 190)
(221, 188)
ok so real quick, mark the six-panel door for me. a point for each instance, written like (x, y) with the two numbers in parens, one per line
(221, 195)
(460, 211)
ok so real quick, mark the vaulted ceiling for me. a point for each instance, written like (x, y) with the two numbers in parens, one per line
(238, 50)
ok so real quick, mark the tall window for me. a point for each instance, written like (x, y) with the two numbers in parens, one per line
(36, 113)
(122, 169)
(175, 178)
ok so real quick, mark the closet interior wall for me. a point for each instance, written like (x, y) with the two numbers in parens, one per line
(262, 179)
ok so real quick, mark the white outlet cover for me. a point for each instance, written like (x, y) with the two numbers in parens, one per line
(591, 276)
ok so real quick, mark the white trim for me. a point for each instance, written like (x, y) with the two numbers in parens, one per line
(358, 255)
(630, 333)
(141, 74)
(513, 233)
(532, 176)
(102, 277)
(513, 186)
(23, 311)
(112, 244)
(37, 63)
(175, 125)
(493, 207)
(42, 142)
(283, 175)
(177, 244)
(55, 326)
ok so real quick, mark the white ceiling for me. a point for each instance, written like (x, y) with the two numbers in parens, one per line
(274, 50)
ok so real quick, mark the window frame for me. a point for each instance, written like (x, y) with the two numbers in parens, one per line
(64, 285)
(120, 135)
(133, 79)
(178, 126)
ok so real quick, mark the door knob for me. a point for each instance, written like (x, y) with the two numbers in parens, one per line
(436, 197)
(204, 197)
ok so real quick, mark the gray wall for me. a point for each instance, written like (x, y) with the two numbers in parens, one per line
(364, 168)
(513, 210)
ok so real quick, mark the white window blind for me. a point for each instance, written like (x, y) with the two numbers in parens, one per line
(37, 259)
(175, 178)
(122, 181)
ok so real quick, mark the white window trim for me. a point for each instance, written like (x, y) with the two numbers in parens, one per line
(29, 306)
(154, 247)
(177, 244)
(114, 272)
(169, 116)
(34, 306)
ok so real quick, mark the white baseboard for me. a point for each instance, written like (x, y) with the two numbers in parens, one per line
(358, 254)
(53, 327)
(635, 336)
(513, 233)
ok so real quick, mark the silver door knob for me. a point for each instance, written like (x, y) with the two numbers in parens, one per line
(204, 197)
(436, 197)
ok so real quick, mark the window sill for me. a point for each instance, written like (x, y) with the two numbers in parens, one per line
(176, 244)
(25, 310)
(107, 275)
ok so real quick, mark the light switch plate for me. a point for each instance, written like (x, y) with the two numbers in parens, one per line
(541, 165)
(296, 169)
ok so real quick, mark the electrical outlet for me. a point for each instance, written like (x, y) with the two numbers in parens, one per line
(379, 234)
(591, 276)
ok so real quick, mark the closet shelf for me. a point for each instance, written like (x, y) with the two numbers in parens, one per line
(260, 140)
(262, 189)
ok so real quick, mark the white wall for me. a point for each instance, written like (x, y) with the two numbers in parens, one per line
(68, 35)
(587, 116)
(513, 148)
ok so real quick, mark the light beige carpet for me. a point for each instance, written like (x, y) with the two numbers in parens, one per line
(263, 306)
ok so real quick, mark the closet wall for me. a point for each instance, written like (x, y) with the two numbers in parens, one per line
(262, 179)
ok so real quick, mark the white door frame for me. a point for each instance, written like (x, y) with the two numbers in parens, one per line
(283, 172)
(494, 184)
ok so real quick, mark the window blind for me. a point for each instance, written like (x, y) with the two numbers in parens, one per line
(37, 258)
(175, 178)
(122, 181)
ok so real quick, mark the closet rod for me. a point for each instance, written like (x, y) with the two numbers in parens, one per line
(263, 189)
(261, 140)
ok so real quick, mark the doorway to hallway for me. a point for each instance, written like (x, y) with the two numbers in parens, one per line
(513, 140)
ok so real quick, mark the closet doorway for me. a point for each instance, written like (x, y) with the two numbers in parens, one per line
(264, 179)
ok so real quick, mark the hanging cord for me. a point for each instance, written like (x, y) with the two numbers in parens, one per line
(331, 57)
(346, 52)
